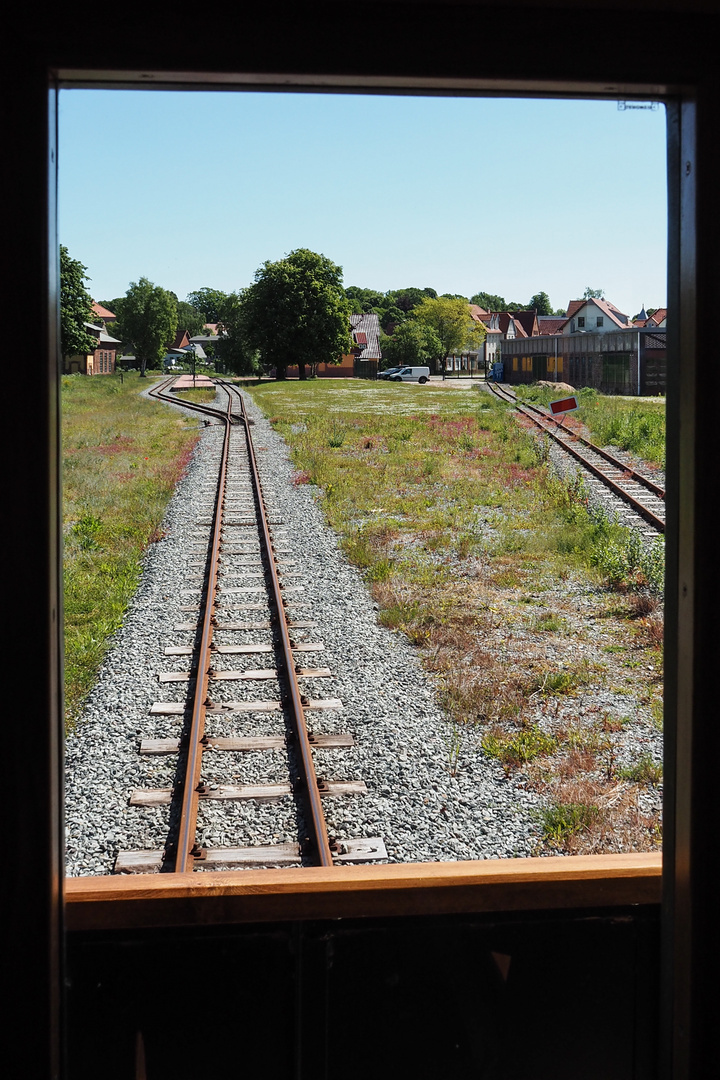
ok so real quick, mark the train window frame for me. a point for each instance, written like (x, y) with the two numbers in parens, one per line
(231, 897)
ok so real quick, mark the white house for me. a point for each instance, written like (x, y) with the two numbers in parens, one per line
(594, 317)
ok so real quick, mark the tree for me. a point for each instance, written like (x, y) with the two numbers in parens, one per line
(540, 302)
(363, 300)
(407, 299)
(113, 305)
(451, 321)
(190, 318)
(390, 318)
(232, 348)
(209, 301)
(75, 308)
(148, 321)
(593, 294)
(413, 343)
(489, 301)
(296, 312)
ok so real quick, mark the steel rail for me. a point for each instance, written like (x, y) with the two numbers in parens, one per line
(186, 847)
(632, 474)
(544, 423)
(318, 829)
(160, 392)
(180, 855)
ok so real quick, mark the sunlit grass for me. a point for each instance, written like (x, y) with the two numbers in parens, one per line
(122, 456)
(452, 513)
(200, 394)
(406, 472)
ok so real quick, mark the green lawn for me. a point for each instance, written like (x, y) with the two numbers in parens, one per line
(407, 471)
(122, 456)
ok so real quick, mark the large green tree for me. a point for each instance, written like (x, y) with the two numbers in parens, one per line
(412, 343)
(540, 302)
(489, 301)
(451, 321)
(75, 308)
(392, 308)
(209, 301)
(148, 321)
(363, 300)
(407, 299)
(296, 312)
(390, 318)
(190, 318)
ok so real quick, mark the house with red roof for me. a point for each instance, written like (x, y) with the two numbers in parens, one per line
(101, 361)
(499, 326)
(362, 360)
(658, 318)
(104, 313)
(595, 316)
(550, 324)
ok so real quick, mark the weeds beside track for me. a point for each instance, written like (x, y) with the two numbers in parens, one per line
(478, 553)
(122, 457)
(637, 426)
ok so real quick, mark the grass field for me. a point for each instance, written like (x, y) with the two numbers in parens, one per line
(122, 456)
(463, 533)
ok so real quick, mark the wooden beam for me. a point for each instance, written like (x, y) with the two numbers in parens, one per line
(235, 897)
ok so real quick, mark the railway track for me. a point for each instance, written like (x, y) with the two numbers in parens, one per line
(639, 492)
(244, 579)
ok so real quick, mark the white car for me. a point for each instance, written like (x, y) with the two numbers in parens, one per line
(411, 374)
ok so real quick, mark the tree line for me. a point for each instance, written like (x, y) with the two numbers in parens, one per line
(296, 311)
(394, 306)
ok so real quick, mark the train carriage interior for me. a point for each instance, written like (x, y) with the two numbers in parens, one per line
(604, 973)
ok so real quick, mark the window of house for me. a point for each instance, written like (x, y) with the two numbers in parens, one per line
(581, 320)
(599, 321)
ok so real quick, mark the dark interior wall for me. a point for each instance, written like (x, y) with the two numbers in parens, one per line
(497, 999)
(662, 45)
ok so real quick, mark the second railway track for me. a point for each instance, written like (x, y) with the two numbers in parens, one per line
(634, 489)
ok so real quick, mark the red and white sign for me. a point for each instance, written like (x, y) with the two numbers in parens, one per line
(566, 404)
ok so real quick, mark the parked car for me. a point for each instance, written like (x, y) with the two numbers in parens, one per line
(411, 374)
(389, 372)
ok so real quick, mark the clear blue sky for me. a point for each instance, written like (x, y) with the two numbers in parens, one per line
(462, 194)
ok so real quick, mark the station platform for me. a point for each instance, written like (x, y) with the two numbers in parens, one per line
(187, 382)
